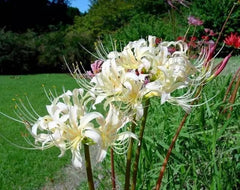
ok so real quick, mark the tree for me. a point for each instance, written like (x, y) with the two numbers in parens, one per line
(19, 15)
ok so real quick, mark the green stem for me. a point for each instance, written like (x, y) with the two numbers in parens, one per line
(88, 167)
(173, 19)
(194, 31)
(129, 159)
(185, 35)
(113, 171)
(138, 151)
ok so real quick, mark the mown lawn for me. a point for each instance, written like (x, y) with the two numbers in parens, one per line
(20, 168)
(206, 155)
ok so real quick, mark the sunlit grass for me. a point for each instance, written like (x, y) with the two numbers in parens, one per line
(20, 168)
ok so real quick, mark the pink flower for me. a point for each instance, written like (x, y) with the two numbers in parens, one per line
(237, 43)
(193, 38)
(192, 44)
(233, 40)
(171, 50)
(206, 30)
(194, 21)
(210, 53)
(222, 65)
(205, 38)
(96, 68)
(210, 32)
(181, 38)
(230, 40)
(210, 43)
(158, 41)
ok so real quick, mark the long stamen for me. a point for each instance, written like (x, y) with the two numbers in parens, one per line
(16, 145)
(12, 118)
(30, 105)
(28, 113)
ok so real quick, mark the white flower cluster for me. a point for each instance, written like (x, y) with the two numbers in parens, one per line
(144, 69)
(122, 82)
(69, 125)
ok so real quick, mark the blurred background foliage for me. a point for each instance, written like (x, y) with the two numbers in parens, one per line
(36, 35)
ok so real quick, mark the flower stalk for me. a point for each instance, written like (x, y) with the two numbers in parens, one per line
(233, 96)
(231, 84)
(159, 181)
(129, 159)
(138, 151)
(88, 167)
(224, 25)
(113, 178)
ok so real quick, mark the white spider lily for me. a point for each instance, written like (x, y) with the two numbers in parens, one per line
(133, 92)
(76, 131)
(110, 80)
(173, 74)
(109, 132)
(145, 69)
(132, 55)
(138, 55)
(67, 125)
(114, 84)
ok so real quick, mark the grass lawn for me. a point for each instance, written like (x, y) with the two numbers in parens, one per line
(20, 168)
(206, 155)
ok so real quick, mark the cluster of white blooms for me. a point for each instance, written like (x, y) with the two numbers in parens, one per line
(122, 82)
(144, 69)
(69, 125)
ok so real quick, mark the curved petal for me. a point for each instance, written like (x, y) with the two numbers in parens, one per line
(102, 155)
(76, 158)
(89, 117)
(124, 135)
(92, 134)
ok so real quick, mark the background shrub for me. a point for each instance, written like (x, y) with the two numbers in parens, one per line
(41, 49)
(18, 52)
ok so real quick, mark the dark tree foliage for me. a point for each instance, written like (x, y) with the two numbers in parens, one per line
(150, 6)
(20, 15)
(36, 34)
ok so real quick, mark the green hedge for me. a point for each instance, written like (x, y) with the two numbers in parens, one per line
(32, 53)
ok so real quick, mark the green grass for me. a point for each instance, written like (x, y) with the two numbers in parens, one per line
(207, 151)
(20, 168)
(206, 155)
